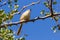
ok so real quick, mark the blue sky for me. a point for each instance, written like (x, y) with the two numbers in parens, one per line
(40, 29)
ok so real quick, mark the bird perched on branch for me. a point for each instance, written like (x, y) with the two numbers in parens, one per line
(24, 17)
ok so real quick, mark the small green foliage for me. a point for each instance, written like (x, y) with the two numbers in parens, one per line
(6, 34)
(56, 18)
(42, 12)
(46, 4)
(5, 17)
(10, 16)
(0, 20)
(2, 15)
(1, 11)
(54, 28)
(54, 3)
(16, 6)
(22, 38)
(14, 11)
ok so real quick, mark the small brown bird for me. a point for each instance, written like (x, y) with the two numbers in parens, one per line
(24, 17)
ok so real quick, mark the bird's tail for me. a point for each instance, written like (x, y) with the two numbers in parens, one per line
(19, 30)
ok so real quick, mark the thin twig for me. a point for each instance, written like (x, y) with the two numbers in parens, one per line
(33, 3)
(50, 7)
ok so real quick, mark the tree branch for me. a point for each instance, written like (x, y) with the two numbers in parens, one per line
(51, 9)
(33, 3)
(32, 20)
(50, 6)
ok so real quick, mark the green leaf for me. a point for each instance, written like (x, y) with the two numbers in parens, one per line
(1, 12)
(0, 20)
(22, 38)
(56, 18)
(16, 6)
(2, 30)
(4, 15)
(54, 3)
(42, 12)
(10, 16)
(46, 4)
(53, 28)
(11, 31)
(14, 11)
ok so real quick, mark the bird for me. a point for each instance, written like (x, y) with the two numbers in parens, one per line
(24, 17)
